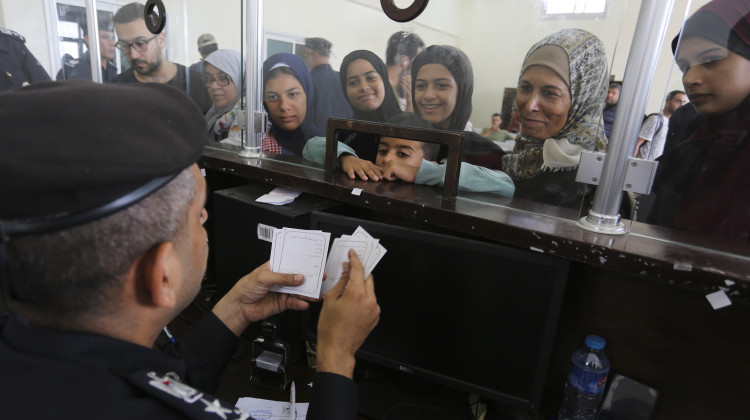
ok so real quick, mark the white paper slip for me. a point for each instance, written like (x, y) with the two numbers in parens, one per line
(298, 251)
(374, 257)
(340, 254)
(279, 196)
(367, 248)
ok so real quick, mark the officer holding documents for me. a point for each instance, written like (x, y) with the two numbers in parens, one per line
(102, 244)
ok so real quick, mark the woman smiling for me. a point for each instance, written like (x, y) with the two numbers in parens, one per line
(561, 90)
(363, 79)
(442, 87)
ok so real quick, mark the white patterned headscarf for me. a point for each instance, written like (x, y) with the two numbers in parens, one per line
(584, 128)
(231, 63)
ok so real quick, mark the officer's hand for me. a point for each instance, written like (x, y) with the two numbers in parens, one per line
(251, 300)
(350, 312)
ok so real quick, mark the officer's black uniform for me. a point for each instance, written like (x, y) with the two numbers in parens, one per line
(63, 373)
(18, 66)
(54, 374)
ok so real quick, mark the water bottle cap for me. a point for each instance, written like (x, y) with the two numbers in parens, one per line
(595, 342)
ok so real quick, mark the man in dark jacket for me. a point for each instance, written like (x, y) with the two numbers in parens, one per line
(102, 244)
(330, 99)
(610, 106)
(81, 68)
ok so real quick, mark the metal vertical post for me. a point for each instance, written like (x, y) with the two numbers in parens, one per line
(92, 22)
(253, 80)
(639, 74)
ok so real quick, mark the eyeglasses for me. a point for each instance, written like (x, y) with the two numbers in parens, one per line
(221, 80)
(139, 45)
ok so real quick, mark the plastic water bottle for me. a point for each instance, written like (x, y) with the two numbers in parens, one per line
(586, 381)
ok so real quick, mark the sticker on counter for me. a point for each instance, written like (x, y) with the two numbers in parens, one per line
(357, 191)
(718, 299)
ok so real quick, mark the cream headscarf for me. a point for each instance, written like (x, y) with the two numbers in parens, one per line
(588, 79)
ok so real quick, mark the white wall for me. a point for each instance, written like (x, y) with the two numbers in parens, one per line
(495, 34)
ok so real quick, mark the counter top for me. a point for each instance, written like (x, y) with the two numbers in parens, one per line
(676, 258)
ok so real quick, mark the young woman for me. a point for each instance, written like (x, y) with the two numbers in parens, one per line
(702, 184)
(288, 99)
(561, 89)
(442, 86)
(364, 79)
(222, 76)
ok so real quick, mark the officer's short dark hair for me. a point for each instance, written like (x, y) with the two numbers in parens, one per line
(129, 13)
(402, 44)
(76, 272)
(674, 93)
(615, 85)
(497, 115)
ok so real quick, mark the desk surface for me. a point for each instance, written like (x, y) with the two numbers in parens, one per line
(378, 395)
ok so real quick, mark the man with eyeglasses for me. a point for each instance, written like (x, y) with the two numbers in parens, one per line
(81, 69)
(145, 53)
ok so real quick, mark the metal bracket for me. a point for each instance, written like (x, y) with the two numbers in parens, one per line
(155, 21)
(260, 121)
(638, 179)
(403, 15)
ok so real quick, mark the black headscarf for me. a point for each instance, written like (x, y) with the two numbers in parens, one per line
(457, 62)
(390, 106)
(294, 140)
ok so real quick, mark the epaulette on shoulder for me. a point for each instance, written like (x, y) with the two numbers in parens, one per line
(12, 34)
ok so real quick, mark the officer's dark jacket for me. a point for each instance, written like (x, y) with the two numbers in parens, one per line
(18, 66)
(47, 373)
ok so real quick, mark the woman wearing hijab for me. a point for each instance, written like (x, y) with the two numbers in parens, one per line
(561, 89)
(442, 86)
(222, 76)
(702, 184)
(363, 79)
(288, 98)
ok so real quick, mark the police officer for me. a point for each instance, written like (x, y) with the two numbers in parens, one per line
(18, 66)
(102, 244)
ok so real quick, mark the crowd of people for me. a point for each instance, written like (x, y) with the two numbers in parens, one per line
(565, 103)
(88, 280)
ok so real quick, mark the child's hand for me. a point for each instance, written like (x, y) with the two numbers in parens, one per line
(354, 166)
(396, 169)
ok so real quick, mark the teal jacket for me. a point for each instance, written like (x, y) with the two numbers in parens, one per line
(473, 178)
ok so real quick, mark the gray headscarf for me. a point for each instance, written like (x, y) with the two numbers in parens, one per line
(584, 128)
(231, 63)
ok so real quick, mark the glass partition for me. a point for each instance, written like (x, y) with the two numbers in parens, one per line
(488, 42)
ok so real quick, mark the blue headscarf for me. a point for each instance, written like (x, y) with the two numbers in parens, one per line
(293, 141)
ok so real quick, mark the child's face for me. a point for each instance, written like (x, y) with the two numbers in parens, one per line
(405, 151)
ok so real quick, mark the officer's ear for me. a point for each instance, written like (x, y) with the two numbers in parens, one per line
(160, 275)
